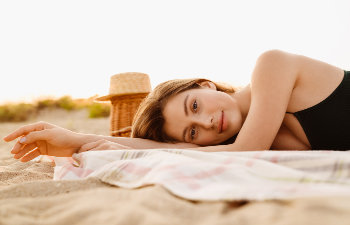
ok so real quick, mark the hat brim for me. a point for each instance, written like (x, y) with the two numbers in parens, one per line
(104, 98)
(109, 97)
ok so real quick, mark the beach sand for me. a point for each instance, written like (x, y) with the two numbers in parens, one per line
(28, 195)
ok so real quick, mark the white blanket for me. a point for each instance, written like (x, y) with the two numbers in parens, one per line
(195, 175)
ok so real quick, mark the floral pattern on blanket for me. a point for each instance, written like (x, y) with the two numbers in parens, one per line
(214, 176)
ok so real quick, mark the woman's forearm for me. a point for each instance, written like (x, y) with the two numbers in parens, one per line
(135, 143)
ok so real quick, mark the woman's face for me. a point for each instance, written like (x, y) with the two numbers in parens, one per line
(202, 116)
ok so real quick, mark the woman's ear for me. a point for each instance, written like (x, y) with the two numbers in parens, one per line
(207, 84)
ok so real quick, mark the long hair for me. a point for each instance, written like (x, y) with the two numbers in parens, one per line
(149, 120)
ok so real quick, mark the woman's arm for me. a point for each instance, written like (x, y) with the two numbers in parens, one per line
(272, 83)
(133, 143)
(43, 138)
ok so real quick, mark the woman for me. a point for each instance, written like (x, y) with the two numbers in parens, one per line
(292, 103)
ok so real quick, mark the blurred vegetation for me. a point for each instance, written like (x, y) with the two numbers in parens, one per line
(18, 112)
(98, 110)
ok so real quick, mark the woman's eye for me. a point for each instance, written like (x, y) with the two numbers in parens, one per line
(194, 106)
(193, 133)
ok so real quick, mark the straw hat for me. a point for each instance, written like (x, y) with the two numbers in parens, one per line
(127, 84)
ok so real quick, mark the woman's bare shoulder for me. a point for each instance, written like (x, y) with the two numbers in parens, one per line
(316, 81)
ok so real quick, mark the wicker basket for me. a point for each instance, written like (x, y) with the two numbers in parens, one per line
(126, 91)
(123, 110)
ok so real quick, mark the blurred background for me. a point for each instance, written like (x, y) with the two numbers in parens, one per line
(54, 52)
(72, 47)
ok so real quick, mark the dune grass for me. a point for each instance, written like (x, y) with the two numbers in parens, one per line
(19, 112)
(16, 112)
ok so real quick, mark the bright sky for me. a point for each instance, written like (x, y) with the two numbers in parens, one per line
(55, 48)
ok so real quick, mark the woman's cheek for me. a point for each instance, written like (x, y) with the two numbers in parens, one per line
(206, 139)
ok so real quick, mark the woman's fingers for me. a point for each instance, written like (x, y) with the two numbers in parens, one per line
(20, 132)
(24, 150)
(26, 129)
(17, 147)
(30, 151)
(31, 155)
(33, 137)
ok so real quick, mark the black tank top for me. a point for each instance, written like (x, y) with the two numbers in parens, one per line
(327, 124)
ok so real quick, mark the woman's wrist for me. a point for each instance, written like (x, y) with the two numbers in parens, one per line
(82, 139)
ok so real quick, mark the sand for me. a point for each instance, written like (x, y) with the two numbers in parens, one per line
(28, 195)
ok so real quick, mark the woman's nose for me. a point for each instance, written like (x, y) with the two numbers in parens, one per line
(206, 123)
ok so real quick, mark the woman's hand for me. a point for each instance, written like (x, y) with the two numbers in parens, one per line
(102, 145)
(43, 138)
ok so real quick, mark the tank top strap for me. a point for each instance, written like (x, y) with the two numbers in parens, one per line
(290, 113)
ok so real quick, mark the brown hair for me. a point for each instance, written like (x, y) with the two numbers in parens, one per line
(148, 121)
